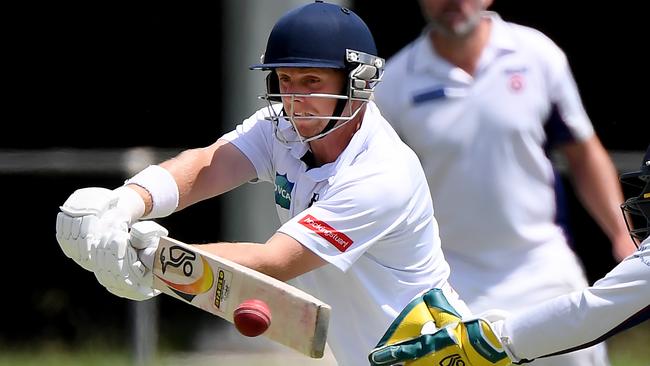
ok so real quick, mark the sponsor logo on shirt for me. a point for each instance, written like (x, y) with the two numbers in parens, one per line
(283, 188)
(341, 241)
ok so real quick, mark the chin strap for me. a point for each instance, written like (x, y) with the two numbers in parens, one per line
(356, 87)
(338, 110)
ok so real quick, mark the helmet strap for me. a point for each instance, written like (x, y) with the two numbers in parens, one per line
(340, 105)
(338, 110)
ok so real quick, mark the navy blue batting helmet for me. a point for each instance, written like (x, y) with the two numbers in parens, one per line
(316, 35)
(321, 35)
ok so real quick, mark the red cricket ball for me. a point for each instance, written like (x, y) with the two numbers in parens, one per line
(252, 317)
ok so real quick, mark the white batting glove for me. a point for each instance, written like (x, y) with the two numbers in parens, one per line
(77, 228)
(117, 266)
(78, 225)
(145, 236)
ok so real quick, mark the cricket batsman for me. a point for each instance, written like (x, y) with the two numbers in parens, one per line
(358, 229)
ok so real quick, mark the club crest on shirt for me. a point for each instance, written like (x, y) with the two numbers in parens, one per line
(283, 189)
(341, 241)
(516, 82)
(516, 78)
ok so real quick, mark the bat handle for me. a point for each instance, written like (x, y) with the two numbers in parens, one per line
(145, 236)
(146, 256)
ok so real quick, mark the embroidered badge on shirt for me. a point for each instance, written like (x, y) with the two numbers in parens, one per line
(341, 241)
(516, 82)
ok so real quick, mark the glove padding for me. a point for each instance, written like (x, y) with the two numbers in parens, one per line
(116, 262)
(78, 229)
(429, 331)
(468, 343)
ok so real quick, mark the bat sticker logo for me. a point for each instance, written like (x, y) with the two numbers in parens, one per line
(224, 278)
(178, 256)
(181, 257)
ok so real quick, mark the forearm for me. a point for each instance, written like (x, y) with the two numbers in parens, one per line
(194, 175)
(207, 172)
(281, 257)
(251, 255)
(580, 319)
(597, 186)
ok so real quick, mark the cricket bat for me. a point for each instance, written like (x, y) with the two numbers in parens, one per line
(217, 285)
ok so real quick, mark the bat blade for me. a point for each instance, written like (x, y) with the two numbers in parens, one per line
(218, 286)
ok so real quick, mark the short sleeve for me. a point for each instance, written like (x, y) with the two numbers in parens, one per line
(568, 110)
(350, 218)
(254, 138)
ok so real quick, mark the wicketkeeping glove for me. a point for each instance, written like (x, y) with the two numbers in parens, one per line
(430, 332)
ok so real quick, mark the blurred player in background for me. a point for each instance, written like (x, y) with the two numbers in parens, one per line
(564, 324)
(482, 102)
(358, 229)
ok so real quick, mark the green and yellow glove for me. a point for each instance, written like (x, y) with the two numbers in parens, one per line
(451, 341)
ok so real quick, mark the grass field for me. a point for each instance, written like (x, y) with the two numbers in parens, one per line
(631, 348)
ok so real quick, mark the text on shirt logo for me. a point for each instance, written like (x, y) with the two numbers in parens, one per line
(341, 241)
(283, 188)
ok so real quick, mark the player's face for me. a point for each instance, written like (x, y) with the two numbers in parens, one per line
(453, 17)
(303, 81)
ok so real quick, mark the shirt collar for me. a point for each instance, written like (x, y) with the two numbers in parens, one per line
(358, 144)
(501, 40)
(501, 37)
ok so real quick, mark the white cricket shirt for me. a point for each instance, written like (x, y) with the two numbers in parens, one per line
(368, 213)
(483, 142)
